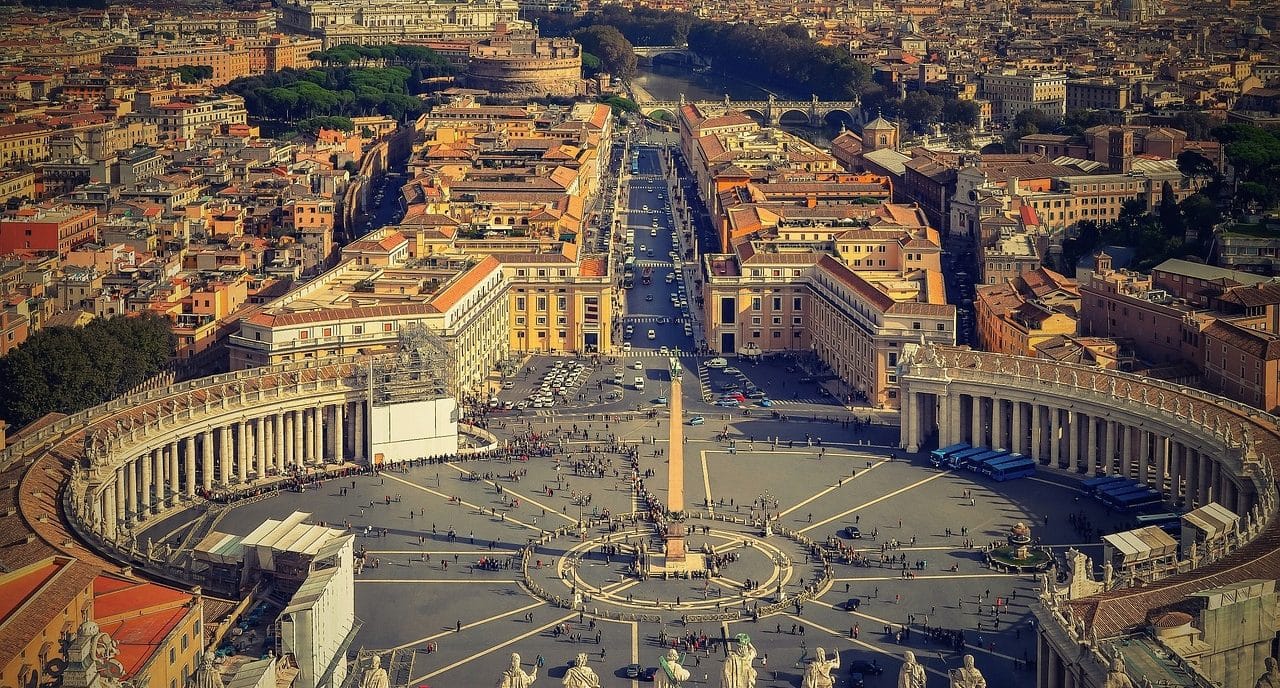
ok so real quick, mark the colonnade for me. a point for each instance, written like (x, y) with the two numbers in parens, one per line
(1075, 437)
(238, 453)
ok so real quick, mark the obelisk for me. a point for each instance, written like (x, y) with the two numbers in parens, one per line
(675, 470)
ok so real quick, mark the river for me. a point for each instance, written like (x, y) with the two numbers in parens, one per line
(668, 82)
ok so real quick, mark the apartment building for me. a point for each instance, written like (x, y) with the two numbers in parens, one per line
(1098, 93)
(1242, 363)
(359, 307)
(1018, 315)
(55, 228)
(853, 294)
(185, 119)
(1013, 91)
(228, 59)
(24, 143)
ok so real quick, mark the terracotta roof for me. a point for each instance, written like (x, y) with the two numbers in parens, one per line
(854, 281)
(1260, 345)
(460, 287)
(328, 314)
(56, 588)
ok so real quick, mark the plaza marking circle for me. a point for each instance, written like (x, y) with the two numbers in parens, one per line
(781, 574)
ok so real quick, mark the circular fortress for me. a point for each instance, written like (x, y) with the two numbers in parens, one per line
(520, 67)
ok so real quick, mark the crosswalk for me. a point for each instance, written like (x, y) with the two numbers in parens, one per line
(657, 319)
(654, 353)
(654, 263)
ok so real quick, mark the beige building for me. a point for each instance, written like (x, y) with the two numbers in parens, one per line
(1016, 316)
(1013, 91)
(854, 297)
(228, 59)
(1098, 93)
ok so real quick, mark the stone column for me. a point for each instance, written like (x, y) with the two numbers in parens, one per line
(173, 473)
(277, 442)
(315, 435)
(242, 451)
(1037, 444)
(189, 467)
(1176, 456)
(1091, 436)
(1162, 461)
(1126, 450)
(997, 424)
(976, 437)
(129, 482)
(1144, 456)
(110, 508)
(260, 447)
(144, 498)
(339, 437)
(1206, 478)
(224, 456)
(1017, 439)
(1216, 479)
(359, 421)
(1055, 438)
(206, 460)
(1067, 448)
(298, 453)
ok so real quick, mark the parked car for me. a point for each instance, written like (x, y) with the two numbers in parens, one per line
(862, 666)
(717, 362)
(697, 420)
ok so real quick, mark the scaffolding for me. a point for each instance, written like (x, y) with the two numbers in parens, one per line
(420, 369)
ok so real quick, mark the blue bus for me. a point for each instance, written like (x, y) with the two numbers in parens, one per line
(1169, 522)
(961, 458)
(995, 464)
(1014, 469)
(1137, 500)
(1122, 485)
(1092, 485)
(937, 457)
(978, 463)
(1121, 499)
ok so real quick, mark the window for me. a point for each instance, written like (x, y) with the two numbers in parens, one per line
(755, 303)
(777, 303)
(358, 329)
(795, 303)
(542, 303)
(305, 334)
(328, 331)
(520, 304)
(915, 325)
(562, 303)
(519, 319)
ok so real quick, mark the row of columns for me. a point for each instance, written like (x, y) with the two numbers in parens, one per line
(1071, 439)
(239, 453)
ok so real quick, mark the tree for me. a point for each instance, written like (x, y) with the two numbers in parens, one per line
(191, 74)
(1194, 165)
(1170, 214)
(591, 64)
(1201, 214)
(961, 113)
(67, 369)
(921, 109)
(615, 52)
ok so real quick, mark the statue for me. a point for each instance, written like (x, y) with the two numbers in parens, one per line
(515, 677)
(967, 676)
(670, 673)
(375, 676)
(738, 671)
(818, 673)
(1270, 679)
(1116, 678)
(912, 673)
(580, 675)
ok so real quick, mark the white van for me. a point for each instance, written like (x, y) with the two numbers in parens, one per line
(639, 383)
(617, 377)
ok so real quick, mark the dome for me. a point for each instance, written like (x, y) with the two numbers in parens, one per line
(1258, 29)
(879, 124)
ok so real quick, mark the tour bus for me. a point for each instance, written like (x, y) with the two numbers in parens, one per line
(1133, 501)
(937, 457)
(1093, 485)
(1018, 468)
(990, 466)
(1131, 498)
(961, 459)
(979, 462)
(1120, 485)
(1169, 522)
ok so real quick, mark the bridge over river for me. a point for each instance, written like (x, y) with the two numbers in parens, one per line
(771, 110)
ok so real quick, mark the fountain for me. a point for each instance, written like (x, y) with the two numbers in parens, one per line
(1017, 554)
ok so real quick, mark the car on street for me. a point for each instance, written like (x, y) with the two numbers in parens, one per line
(653, 335)
(862, 666)
(766, 403)
(632, 671)
(664, 351)
(661, 401)
(508, 384)
(626, 347)
(727, 403)
(638, 365)
(613, 395)
(638, 383)
(851, 532)
(717, 362)
(697, 420)
(731, 370)
(755, 394)
(852, 604)
(648, 297)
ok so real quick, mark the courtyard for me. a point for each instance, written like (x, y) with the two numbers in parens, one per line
(443, 581)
